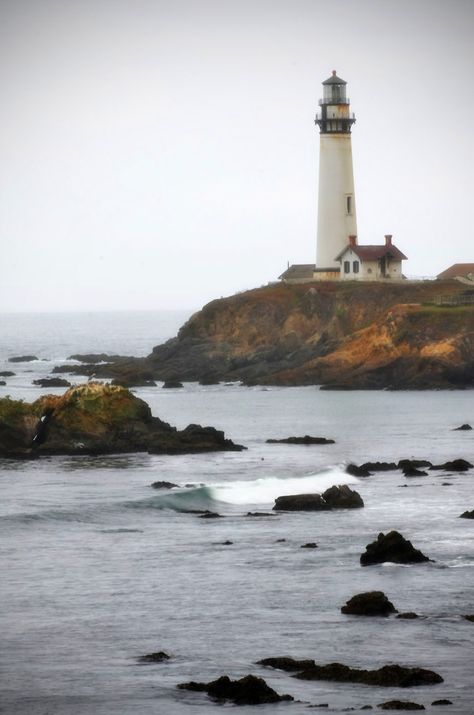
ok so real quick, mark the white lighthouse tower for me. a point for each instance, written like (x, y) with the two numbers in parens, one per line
(336, 200)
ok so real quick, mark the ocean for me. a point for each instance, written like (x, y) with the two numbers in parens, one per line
(98, 568)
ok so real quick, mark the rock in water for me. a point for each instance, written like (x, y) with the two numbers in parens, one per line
(336, 497)
(301, 440)
(370, 603)
(286, 663)
(163, 485)
(96, 419)
(23, 358)
(356, 471)
(158, 657)
(391, 547)
(467, 514)
(343, 497)
(395, 676)
(249, 690)
(400, 705)
(463, 428)
(457, 465)
(52, 382)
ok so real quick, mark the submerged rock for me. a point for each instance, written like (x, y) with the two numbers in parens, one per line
(309, 545)
(249, 690)
(391, 547)
(443, 701)
(96, 419)
(259, 513)
(408, 616)
(336, 497)
(370, 603)
(301, 440)
(172, 384)
(395, 676)
(7, 373)
(400, 705)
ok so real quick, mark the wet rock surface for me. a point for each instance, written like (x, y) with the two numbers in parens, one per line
(291, 665)
(467, 514)
(249, 690)
(356, 471)
(456, 465)
(387, 676)
(400, 705)
(463, 428)
(336, 497)
(23, 358)
(163, 485)
(392, 547)
(370, 603)
(158, 657)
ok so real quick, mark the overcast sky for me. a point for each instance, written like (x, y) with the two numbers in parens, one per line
(162, 153)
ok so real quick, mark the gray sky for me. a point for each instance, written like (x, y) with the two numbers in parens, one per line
(162, 153)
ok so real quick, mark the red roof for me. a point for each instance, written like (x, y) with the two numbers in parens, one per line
(373, 253)
(457, 270)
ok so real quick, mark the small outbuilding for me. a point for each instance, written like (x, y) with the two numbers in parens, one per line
(374, 262)
(463, 272)
(298, 273)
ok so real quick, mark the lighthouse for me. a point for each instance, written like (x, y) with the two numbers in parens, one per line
(336, 200)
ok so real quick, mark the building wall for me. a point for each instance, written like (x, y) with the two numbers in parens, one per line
(336, 186)
(369, 270)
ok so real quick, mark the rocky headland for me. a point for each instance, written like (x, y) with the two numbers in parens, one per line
(342, 335)
(97, 419)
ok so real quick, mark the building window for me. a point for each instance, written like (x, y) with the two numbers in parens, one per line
(355, 266)
(347, 266)
(349, 205)
(369, 270)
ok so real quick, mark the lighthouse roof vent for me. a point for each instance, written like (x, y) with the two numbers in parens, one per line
(334, 79)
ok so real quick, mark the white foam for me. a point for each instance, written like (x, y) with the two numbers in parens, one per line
(266, 490)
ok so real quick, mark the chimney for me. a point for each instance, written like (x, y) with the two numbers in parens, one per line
(388, 239)
(352, 241)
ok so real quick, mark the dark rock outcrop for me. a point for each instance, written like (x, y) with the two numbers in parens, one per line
(356, 471)
(259, 513)
(408, 616)
(7, 373)
(291, 665)
(467, 514)
(96, 419)
(336, 497)
(158, 657)
(456, 465)
(172, 384)
(395, 676)
(249, 690)
(413, 463)
(469, 617)
(97, 357)
(391, 547)
(309, 545)
(443, 701)
(23, 358)
(343, 497)
(135, 379)
(414, 472)
(400, 705)
(370, 603)
(51, 382)
(163, 485)
(463, 428)
(379, 466)
(301, 440)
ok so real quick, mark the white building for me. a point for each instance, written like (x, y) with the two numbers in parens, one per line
(370, 263)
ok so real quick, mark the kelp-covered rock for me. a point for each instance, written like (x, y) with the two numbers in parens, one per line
(249, 690)
(96, 419)
(392, 547)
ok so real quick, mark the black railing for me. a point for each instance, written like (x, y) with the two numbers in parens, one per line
(335, 100)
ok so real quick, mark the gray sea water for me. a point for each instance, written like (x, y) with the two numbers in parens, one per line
(97, 568)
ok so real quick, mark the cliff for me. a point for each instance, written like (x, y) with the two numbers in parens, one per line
(346, 335)
(339, 335)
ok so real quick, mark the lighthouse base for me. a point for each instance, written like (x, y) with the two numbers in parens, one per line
(326, 274)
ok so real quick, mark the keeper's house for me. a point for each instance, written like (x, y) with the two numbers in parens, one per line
(370, 263)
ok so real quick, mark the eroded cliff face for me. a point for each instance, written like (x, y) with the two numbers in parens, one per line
(362, 335)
